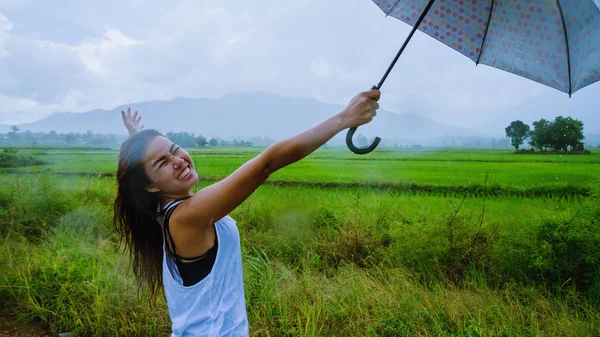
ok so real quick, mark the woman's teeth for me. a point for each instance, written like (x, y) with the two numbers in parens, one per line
(184, 173)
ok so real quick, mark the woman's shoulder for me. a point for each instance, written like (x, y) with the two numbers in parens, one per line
(170, 205)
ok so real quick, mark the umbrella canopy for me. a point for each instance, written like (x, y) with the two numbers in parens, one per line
(553, 42)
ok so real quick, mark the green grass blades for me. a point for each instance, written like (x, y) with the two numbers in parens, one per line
(454, 169)
(431, 243)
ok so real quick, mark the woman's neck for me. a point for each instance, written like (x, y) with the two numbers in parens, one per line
(165, 199)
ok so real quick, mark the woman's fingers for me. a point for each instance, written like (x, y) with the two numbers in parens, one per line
(373, 94)
(129, 118)
(362, 108)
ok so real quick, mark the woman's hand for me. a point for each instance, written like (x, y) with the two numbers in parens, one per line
(132, 123)
(361, 109)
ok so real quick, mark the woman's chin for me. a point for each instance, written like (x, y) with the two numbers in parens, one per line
(194, 179)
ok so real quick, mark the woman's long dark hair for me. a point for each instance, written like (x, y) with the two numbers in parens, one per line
(135, 213)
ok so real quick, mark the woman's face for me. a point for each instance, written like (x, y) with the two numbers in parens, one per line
(169, 168)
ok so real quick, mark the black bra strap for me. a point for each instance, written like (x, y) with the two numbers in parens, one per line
(168, 210)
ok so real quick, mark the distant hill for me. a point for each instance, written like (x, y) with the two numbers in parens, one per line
(245, 115)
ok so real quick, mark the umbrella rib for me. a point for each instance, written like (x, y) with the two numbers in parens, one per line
(562, 17)
(486, 31)
(391, 9)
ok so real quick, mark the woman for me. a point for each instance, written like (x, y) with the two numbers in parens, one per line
(184, 243)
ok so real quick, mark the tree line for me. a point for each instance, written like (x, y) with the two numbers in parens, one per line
(562, 134)
(14, 137)
(184, 139)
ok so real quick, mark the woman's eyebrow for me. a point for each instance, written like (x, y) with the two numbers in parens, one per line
(158, 160)
(164, 157)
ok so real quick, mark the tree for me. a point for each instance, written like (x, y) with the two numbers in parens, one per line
(559, 135)
(503, 143)
(213, 142)
(540, 136)
(361, 140)
(13, 134)
(182, 139)
(88, 136)
(517, 131)
(567, 133)
(71, 138)
(28, 136)
(241, 143)
(200, 141)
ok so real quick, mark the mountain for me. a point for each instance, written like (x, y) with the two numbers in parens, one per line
(244, 115)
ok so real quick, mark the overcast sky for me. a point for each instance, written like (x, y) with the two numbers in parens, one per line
(83, 54)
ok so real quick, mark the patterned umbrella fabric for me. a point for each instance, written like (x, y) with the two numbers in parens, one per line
(554, 42)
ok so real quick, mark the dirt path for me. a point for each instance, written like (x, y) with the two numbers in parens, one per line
(9, 326)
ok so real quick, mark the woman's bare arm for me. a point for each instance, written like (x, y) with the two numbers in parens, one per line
(214, 202)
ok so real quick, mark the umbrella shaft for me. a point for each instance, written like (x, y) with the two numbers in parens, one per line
(412, 32)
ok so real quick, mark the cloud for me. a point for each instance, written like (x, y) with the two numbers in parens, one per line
(192, 46)
(17, 103)
(64, 58)
(99, 55)
(320, 68)
(7, 5)
(5, 27)
(19, 110)
(41, 70)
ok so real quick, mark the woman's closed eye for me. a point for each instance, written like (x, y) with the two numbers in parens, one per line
(168, 158)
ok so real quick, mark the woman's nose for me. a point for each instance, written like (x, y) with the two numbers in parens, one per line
(177, 162)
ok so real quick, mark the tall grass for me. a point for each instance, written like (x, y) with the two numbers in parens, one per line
(320, 262)
(382, 301)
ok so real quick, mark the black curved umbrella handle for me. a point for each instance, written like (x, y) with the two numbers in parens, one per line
(361, 150)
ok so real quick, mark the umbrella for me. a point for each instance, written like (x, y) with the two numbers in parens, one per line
(553, 42)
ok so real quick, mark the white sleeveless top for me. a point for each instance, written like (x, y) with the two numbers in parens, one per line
(215, 306)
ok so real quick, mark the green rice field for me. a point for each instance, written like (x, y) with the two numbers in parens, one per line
(448, 242)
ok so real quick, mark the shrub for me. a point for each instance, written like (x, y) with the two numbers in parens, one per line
(558, 253)
(32, 213)
(74, 280)
(12, 159)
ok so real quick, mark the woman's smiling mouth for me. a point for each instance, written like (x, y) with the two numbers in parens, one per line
(184, 174)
